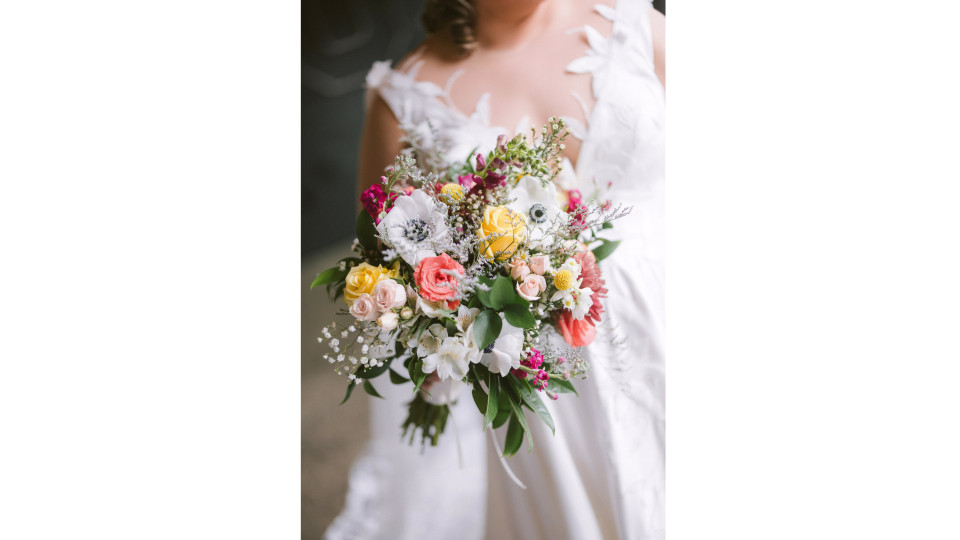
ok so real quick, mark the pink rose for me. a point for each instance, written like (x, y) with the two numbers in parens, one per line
(519, 270)
(539, 264)
(388, 321)
(364, 308)
(388, 294)
(531, 287)
(433, 276)
(576, 333)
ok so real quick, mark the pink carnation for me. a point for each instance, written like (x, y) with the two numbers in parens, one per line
(592, 278)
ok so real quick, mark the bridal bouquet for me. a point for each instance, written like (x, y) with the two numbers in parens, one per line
(480, 275)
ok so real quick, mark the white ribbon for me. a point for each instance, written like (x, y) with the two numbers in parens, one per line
(503, 461)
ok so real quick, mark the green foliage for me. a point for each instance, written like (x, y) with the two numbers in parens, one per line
(429, 420)
(368, 388)
(396, 378)
(350, 388)
(480, 398)
(330, 275)
(366, 231)
(519, 315)
(514, 437)
(514, 403)
(492, 408)
(531, 398)
(486, 328)
(556, 384)
(605, 248)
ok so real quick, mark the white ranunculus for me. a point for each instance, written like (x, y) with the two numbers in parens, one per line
(415, 227)
(444, 392)
(504, 353)
(538, 203)
(451, 360)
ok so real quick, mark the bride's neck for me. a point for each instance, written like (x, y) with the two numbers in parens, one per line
(509, 24)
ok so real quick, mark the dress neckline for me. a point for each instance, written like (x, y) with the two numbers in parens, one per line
(599, 48)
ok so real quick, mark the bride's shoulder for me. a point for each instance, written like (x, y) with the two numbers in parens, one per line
(434, 60)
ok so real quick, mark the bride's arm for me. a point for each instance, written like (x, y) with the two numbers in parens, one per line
(658, 28)
(380, 142)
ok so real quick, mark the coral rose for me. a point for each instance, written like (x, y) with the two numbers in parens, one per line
(363, 278)
(501, 232)
(576, 333)
(433, 277)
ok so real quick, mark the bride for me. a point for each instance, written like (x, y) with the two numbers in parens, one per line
(492, 67)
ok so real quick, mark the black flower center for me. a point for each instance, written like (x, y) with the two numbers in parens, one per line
(489, 348)
(538, 213)
(415, 230)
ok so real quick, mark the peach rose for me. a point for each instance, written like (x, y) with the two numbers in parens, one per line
(539, 264)
(576, 333)
(519, 270)
(389, 294)
(531, 287)
(388, 321)
(433, 277)
(364, 308)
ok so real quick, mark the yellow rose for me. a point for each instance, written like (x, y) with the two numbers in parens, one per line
(501, 232)
(363, 278)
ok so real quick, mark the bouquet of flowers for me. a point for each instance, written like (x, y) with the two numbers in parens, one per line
(479, 275)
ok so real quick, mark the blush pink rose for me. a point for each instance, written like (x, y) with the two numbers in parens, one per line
(388, 321)
(531, 287)
(364, 308)
(576, 333)
(539, 264)
(433, 277)
(388, 294)
(519, 270)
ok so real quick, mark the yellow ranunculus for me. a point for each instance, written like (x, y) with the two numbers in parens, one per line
(501, 232)
(363, 278)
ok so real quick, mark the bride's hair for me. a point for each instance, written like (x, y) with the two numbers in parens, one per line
(454, 18)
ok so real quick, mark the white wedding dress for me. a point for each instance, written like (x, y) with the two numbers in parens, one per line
(602, 475)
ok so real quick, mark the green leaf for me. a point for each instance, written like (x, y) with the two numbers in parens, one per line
(519, 315)
(493, 383)
(480, 398)
(606, 225)
(416, 374)
(605, 248)
(486, 328)
(368, 388)
(518, 413)
(484, 295)
(371, 372)
(556, 384)
(330, 275)
(532, 399)
(502, 416)
(502, 293)
(366, 231)
(397, 378)
(349, 391)
(514, 437)
(451, 326)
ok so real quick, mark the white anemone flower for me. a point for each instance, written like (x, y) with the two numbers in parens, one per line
(538, 203)
(504, 353)
(444, 392)
(415, 227)
(451, 360)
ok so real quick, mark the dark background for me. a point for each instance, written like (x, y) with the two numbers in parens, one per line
(340, 41)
